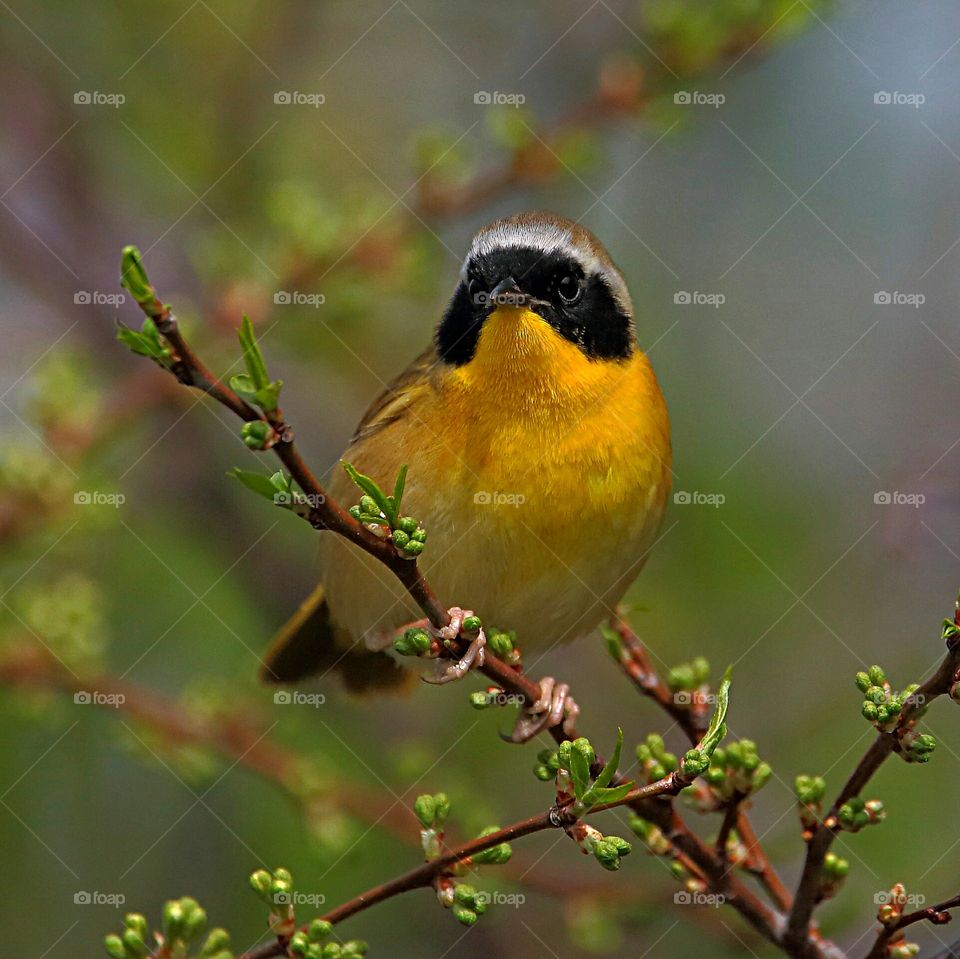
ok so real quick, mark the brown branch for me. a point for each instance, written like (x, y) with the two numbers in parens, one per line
(938, 915)
(824, 833)
(692, 719)
(423, 876)
(759, 864)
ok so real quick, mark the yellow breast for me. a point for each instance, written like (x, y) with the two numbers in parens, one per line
(541, 476)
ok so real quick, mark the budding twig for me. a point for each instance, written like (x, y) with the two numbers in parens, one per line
(882, 747)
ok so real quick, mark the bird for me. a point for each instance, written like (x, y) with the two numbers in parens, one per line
(538, 452)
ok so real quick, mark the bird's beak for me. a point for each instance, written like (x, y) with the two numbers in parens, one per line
(508, 293)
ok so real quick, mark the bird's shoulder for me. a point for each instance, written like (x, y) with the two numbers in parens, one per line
(400, 394)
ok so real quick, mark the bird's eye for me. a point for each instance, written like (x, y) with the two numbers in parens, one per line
(569, 289)
(475, 291)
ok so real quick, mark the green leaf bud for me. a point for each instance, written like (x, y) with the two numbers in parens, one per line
(425, 809)
(442, 808)
(217, 940)
(877, 676)
(471, 624)
(400, 538)
(500, 644)
(414, 642)
(256, 434)
(413, 548)
(114, 946)
(261, 882)
(464, 914)
(407, 524)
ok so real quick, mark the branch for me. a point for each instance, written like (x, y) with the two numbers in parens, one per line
(691, 718)
(425, 875)
(938, 915)
(806, 898)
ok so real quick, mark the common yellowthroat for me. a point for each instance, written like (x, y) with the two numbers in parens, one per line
(538, 447)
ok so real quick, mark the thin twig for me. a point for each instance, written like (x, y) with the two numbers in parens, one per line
(938, 915)
(886, 743)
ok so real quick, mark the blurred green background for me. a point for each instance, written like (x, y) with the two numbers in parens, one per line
(820, 214)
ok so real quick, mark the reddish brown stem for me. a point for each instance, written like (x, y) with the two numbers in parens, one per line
(806, 898)
(938, 915)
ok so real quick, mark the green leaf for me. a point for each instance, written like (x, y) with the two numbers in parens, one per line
(146, 342)
(368, 486)
(579, 773)
(717, 728)
(610, 770)
(260, 484)
(256, 386)
(598, 795)
(252, 357)
(243, 386)
(281, 482)
(398, 487)
(133, 276)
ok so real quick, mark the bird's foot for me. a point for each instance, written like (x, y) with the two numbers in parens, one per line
(473, 657)
(555, 706)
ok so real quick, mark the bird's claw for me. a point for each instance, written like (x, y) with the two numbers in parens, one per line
(554, 706)
(473, 657)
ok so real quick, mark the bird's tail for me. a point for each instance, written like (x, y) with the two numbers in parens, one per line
(310, 643)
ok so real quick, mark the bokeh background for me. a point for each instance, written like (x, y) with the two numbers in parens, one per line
(812, 229)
